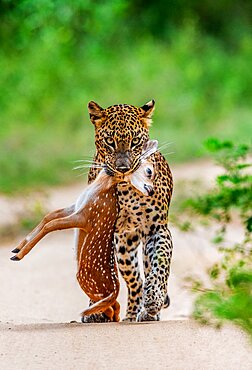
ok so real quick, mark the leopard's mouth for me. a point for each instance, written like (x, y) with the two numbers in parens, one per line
(109, 170)
(127, 171)
(121, 171)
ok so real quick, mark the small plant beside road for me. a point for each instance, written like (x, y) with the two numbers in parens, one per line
(229, 296)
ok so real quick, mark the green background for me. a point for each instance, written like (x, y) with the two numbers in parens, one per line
(192, 57)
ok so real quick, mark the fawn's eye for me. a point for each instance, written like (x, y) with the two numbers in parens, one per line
(110, 141)
(135, 141)
(148, 172)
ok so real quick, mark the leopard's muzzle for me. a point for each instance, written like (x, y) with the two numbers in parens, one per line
(123, 162)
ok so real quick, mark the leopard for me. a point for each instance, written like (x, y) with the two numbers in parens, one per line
(121, 133)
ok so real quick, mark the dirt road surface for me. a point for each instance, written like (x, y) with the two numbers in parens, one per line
(165, 345)
(40, 296)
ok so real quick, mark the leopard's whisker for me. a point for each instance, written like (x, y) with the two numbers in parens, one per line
(82, 174)
(165, 144)
(167, 153)
(87, 166)
(87, 161)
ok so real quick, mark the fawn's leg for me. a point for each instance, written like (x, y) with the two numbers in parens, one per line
(63, 212)
(75, 220)
(109, 312)
(116, 308)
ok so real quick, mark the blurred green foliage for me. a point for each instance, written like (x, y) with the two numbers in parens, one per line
(193, 57)
(233, 188)
(230, 294)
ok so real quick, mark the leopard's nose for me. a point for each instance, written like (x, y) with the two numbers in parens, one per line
(123, 162)
(123, 169)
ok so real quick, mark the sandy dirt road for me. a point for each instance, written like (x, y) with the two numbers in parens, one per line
(40, 296)
(176, 345)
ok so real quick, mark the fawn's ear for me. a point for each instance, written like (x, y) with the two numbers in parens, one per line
(147, 111)
(150, 147)
(96, 113)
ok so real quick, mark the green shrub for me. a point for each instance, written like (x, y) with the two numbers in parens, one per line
(230, 296)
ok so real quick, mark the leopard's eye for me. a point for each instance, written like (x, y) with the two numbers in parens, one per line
(135, 141)
(110, 141)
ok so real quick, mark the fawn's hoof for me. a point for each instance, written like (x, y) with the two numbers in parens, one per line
(15, 258)
(145, 316)
(95, 318)
(16, 250)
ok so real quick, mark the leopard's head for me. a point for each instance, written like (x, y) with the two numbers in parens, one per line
(121, 132)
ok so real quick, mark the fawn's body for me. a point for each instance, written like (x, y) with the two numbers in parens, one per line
(97, 271)
(94, 216)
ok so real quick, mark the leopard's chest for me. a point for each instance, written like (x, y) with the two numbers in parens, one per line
(136, 211)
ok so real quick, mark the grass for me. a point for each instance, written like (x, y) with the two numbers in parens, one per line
(201, 89)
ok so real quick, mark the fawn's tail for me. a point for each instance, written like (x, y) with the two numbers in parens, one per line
(101, 305)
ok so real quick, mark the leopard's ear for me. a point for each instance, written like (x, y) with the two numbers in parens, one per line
(96, 113)
(147, 111)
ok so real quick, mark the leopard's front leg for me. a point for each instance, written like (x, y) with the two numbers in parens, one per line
(127, 247)
(157, 259)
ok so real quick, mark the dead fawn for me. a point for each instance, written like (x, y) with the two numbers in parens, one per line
(94, 216)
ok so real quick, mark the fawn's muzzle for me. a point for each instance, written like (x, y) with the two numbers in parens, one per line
(149, 189)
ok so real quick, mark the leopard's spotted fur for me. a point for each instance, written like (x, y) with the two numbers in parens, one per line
(121, 132)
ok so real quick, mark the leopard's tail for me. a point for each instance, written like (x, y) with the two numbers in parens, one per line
(102, 305)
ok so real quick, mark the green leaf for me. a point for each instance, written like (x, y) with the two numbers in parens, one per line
(249, 224)
(215, 272)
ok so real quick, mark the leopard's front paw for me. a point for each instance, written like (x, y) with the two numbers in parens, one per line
(145, 316)
(95, 318)
(129, 319)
